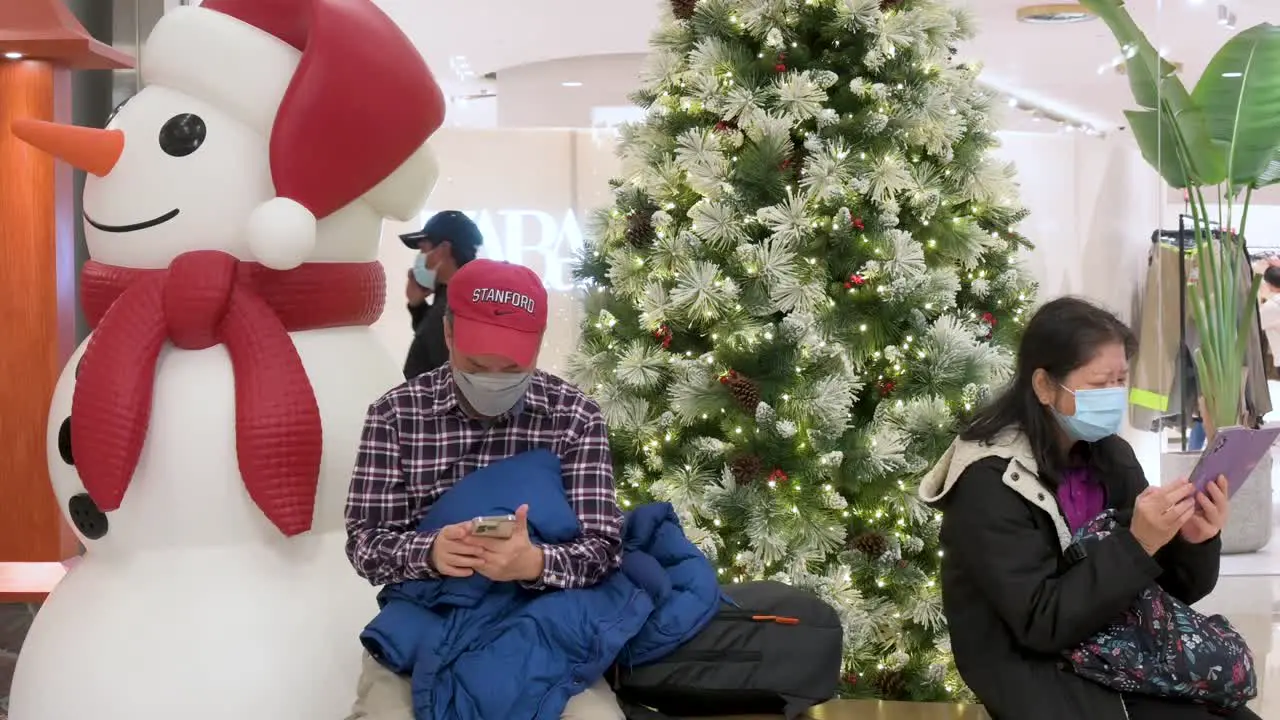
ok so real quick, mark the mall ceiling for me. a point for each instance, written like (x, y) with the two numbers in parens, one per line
(1066, 68)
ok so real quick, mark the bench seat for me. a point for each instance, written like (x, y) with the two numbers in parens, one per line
(880, 710)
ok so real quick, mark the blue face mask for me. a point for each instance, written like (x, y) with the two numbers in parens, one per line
(423, 275)
(1099, 413)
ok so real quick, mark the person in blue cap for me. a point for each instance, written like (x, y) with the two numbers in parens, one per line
(448, 241)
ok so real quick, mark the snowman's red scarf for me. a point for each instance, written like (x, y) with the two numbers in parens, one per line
(203, 299)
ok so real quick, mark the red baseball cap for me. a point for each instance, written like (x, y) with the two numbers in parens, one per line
(498, 309)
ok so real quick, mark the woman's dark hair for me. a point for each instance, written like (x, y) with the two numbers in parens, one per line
(1063, 335)
(1272, 276)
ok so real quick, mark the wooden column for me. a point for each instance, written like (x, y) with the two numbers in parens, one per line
(41, 43)
(38, 307)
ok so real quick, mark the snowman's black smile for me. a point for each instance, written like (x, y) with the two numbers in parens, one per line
(136, 226)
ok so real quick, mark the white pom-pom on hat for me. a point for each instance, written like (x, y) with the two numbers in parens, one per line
(281, 234)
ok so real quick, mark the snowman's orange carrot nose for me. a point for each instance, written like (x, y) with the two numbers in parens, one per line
(93, 151)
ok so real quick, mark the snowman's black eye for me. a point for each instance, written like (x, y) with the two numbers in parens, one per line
(182, 135)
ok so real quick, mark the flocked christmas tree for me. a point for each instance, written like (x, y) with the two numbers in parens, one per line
(806, 280)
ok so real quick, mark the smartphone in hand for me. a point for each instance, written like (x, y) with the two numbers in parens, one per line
(494, 526)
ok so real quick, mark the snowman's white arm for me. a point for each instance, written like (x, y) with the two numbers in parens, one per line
(383, 543)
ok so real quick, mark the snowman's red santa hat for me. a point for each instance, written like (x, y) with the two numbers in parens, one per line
(344, 96)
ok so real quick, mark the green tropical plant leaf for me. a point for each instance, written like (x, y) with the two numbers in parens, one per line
(1216, 135)
(1240, 96)
(1152, 79)
(1155, 139)
(1270, 174)
(1159, 139)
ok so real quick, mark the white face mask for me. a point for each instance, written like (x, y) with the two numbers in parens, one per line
(492, 394)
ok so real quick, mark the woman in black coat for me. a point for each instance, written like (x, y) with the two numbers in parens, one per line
(1036, 464)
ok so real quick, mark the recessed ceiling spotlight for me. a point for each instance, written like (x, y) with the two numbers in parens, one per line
(1226, 18)
(1054, 14)
(571, 83)
(13, 56)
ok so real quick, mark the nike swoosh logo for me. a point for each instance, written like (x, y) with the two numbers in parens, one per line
(504, 312)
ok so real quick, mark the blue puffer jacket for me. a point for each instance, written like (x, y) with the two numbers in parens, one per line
(476, 649)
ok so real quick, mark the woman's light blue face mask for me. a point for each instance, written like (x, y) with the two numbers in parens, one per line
(1099, 413)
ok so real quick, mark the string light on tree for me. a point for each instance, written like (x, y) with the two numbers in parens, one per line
(804, 278)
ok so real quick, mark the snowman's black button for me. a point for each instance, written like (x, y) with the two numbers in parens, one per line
(64, 442)
(85, 515)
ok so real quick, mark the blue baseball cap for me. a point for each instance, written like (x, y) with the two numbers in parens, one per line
(450, 225)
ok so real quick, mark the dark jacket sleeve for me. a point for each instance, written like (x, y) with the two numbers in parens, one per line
(427, 351)
(990, 531)
(1190, 572)
(416, 313)
(422, 357)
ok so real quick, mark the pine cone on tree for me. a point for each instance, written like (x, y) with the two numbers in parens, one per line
(640, 227)
(747, 468)
(743, 389)
(891, 685)
(683, 9)
(872, 544)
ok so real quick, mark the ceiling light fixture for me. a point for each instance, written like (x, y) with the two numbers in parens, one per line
(1054, 14)
(13, 56)
(461, 68)
(1226, 18)
(1039, 113)
(571, 83)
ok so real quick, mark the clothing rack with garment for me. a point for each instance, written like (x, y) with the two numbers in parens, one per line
(1184, 239)
(1163, 390)
(1263, 252)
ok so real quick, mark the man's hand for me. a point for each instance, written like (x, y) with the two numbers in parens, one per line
(515, 558)
(452, 555)
(1211, 516)
(414, 293)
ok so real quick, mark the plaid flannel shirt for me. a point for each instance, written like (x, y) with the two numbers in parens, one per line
(418, 441)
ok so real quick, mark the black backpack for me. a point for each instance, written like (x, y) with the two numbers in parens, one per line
(774, 649)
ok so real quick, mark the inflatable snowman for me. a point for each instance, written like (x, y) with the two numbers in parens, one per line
(202, 440)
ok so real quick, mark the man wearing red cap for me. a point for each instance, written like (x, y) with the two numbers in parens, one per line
(489, 401)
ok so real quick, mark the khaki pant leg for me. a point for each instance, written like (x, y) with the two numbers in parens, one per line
(381, 694)
(595, 703)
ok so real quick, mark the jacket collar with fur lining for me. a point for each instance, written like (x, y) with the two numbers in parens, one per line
(1022, 475)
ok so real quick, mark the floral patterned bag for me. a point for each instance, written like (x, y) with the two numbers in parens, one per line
(1163, 648)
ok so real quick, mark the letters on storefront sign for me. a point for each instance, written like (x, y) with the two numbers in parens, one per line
(546, 242)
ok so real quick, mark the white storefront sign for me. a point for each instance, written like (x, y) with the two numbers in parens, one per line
(546, 242)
